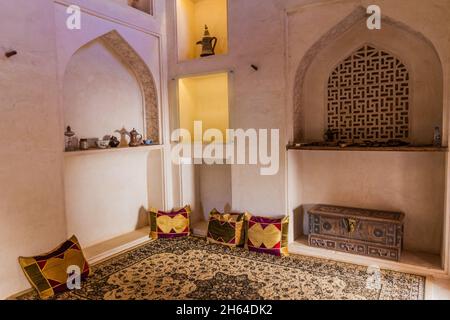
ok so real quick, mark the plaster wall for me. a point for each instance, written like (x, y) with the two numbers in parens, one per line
(109, 194)
(205, 188)
(31, 163)
(408, 182)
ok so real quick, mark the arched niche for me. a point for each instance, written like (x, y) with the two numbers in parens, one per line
(411, 47)
(132, 72)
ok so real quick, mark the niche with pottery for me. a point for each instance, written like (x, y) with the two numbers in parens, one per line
(192, 17)
(108, 86)
(108, 90)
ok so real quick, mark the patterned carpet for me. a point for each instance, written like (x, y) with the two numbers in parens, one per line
(194, 270)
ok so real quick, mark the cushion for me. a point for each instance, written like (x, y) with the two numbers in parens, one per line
(47, 273)
(168, 225)
(226, 229)
(267, 235)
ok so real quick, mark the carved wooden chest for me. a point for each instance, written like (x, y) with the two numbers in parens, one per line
(377, 234)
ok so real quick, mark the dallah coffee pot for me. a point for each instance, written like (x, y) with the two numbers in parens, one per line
(208, 44)
(135, 138)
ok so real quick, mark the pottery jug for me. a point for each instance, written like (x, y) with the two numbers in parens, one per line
(135, 138)
(208, 44)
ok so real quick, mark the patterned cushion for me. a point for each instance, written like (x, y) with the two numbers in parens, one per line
(226, 229)
(47, 273)
(173, 224)
(267, 235)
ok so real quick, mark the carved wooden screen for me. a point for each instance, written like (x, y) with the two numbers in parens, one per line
(368, 97)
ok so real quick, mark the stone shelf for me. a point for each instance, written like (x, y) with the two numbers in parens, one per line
(390, 149)
(111, 150)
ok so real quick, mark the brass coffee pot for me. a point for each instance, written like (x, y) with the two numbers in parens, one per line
(208, 44)
(135, 138)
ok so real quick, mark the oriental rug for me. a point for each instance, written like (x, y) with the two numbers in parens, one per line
(192, 269)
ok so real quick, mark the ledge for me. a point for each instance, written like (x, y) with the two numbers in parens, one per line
(386, 149)
(111, 150)
(425, 264)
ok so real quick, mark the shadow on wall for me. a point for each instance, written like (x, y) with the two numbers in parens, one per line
(142, 219)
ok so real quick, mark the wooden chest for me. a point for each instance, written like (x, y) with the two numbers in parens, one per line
(377, 234)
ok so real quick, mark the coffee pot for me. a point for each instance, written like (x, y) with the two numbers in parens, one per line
(135, 138)
(208, 44)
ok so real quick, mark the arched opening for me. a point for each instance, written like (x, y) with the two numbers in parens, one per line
(415, 52)
(368, 97)
(107, 86)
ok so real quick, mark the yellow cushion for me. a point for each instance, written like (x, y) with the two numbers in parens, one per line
(168, 225)
(226, 228)
(47, 273)
(267, 235)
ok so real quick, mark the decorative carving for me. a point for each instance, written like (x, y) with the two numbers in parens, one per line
(356, 17)
(368, 97)
(360, 231)
(129, 56)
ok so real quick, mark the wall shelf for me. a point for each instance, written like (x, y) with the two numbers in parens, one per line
(192, 16)
(111, 150)
(387, 149)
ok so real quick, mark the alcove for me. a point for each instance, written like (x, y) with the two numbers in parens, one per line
(204, 98)
(192, 16)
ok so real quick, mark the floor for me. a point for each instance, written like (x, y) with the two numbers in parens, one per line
(191, 268)
(435, 288)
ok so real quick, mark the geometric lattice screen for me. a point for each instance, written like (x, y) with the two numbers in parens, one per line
(368, 97)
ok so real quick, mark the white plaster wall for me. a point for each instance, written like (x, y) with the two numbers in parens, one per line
(412, 183)
(31, 184)
(215, 189)
(109, 194)
(32, 196)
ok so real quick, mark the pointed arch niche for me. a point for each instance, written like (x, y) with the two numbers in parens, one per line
(108, 86)
(417, 55)
(394, 180)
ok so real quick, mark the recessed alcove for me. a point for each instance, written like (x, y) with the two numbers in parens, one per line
(204, 98)
(108, 86)
(205, 187)
(369, 86)
(192, 16)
